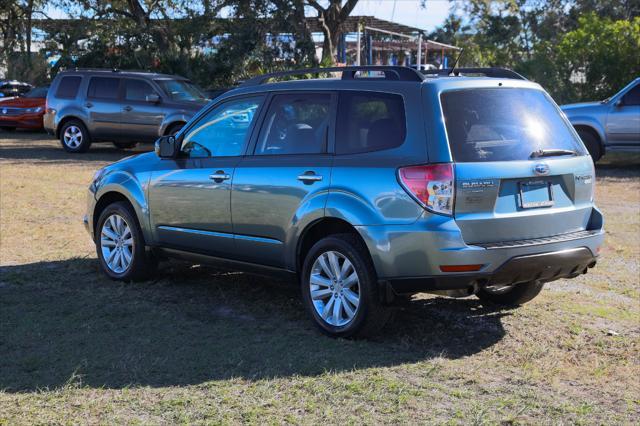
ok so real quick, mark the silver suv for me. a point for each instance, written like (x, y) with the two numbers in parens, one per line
(364, 189)
(609, 125)
(123, 107)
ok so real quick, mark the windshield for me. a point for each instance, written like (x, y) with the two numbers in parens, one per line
(504, 124)
(181, 90)
(38, 92)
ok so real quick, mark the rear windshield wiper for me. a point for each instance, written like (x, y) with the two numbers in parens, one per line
(554, 152)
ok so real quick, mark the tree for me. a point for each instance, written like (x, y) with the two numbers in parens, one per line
(601, 54)
(331, 18)
(16, 27)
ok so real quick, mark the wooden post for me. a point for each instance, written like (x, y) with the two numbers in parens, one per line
(419, 57)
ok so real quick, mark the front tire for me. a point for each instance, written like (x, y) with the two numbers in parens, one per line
(120, 245)
(74, 137)
(592, 143)
(514, 295)
(339, 288)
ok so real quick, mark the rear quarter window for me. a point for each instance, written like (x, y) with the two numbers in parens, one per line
(504, 124)
(369, 121)
(68, 87)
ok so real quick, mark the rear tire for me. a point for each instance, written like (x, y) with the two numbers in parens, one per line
(8, 128)
(173, 129)
(367, 315)
(74, 137)
(120, 245)
(516, 295)
(125, 145)
(592, 143)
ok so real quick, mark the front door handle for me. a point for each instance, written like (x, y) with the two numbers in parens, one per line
(127, 108)
(219, 176)
(88, 104)
(309, 177)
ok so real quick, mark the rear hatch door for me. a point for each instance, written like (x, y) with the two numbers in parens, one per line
(521, 171)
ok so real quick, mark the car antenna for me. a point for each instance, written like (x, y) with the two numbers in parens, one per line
(455, 64)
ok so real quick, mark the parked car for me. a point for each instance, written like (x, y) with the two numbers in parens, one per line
(123, 107)
(25, 112)
(11, 88)
(364, 190)
(609, 125)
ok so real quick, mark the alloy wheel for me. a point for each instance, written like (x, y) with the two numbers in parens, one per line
(335, 288)
(72, 137)
(116, 243)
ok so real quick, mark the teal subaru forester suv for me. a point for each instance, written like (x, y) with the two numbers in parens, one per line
(366, 187)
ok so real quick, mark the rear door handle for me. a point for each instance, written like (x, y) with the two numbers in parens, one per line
(220, 176)
(127, 108)
(309, 177)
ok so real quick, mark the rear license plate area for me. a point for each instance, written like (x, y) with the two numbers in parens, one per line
(535, 193)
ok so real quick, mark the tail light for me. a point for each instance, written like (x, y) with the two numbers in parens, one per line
(431, 185)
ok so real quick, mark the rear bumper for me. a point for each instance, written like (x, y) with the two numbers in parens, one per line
(544, 267)
(411, 256)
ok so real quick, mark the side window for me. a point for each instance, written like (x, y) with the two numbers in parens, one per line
(137, 90)
(223, 132)
(632, 97)
(103, 88)
(68, 87)
(295, 124)
(369, 121)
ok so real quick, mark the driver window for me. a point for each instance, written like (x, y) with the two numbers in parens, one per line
(632, 97)
(137, 90)
(295, 124)
(223, 131)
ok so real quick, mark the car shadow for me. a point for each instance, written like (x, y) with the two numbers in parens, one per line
(619, 165)
(39, 147)
(62, 323)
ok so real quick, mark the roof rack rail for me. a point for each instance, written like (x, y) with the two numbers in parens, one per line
(105, 70)
(489, 72)
(90, 69)
(394, 73)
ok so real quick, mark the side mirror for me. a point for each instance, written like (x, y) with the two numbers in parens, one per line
(152, 98)
(618, 103)
(166, 147)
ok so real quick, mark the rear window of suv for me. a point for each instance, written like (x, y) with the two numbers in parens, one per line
(68, 87)
(504, 124)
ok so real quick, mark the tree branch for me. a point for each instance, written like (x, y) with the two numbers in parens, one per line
(316, 5)
(347, 9)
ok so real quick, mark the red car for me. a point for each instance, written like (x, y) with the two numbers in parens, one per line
(25, 112)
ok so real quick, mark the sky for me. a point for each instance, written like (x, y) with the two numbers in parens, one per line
(407, 12)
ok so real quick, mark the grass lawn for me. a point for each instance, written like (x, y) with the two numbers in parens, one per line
(200, 345)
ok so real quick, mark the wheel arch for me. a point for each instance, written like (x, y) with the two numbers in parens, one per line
(123, 188)
(65, 120)
(590, 129)
(319, 229)
(105, 200)
(172, 125)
